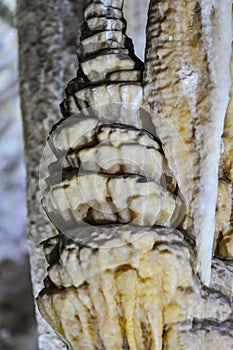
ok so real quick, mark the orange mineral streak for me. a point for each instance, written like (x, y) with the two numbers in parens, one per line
(228, 133)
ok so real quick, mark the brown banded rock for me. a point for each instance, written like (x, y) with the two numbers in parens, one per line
(97, 198)
(97, 68)
(106, 48)
(114, 101)
(108, 173)
(115, 279)
(102, 9)
(109, 76)
(83, 142)
(103, 24)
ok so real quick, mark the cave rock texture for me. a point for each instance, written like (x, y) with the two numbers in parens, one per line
(140, 186)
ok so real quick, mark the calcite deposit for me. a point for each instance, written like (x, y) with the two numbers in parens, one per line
(187, 84)
(131, 288)
(137, 191)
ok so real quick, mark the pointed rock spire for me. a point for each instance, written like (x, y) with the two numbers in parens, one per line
(106, 57)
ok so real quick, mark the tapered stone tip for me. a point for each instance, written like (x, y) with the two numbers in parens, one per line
(106, 56)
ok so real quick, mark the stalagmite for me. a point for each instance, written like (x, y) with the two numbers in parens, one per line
(128, 171)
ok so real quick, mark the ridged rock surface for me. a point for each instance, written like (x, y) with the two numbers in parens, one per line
(130, 288)
(109, 75)
(228, 133)
(187, 82)
(108, 173)
(226, 244)
(116, 280)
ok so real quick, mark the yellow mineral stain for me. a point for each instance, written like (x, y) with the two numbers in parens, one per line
(127, 288)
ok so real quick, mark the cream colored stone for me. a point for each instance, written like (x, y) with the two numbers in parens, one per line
(141, 288)
(187, 82)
